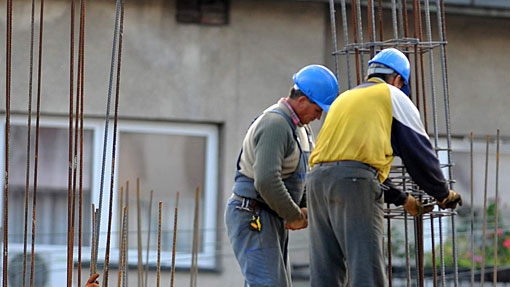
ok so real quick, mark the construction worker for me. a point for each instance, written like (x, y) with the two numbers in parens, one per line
(268, 194)
(365, 128)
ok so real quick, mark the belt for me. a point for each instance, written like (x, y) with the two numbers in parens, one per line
(349, 163)
(253, 204)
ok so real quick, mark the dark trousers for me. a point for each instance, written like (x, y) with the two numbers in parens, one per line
(345, 209)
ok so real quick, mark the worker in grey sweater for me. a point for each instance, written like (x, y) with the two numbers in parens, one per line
(268, 195)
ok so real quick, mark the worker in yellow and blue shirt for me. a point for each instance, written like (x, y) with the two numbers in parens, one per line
(365, 128)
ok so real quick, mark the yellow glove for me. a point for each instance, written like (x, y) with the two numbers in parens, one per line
(414, 207)
(450, 201)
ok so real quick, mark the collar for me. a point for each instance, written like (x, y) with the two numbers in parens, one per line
(293, 115)
(377, 80)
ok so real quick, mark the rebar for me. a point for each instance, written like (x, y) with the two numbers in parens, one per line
(496, 227)
(389, 249)
(174, 242)
(432, 71)
(148, 241)
(36, 153)
(360, 38)
(394, 18)
(95, 244)
(472, 211)
(139, 233)
(355, 36)
(484, 232)
(433, 249)
(7, 139)
(159, 248)
(371, 27)
(81, 89)
(114, 145)
(70, 197)
(121, 226)
(29, 136)
(441, 251)
(346, 41)
(196, 236)
(124, 254)
(333, 35)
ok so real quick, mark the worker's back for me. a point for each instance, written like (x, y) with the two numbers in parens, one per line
(360, 120)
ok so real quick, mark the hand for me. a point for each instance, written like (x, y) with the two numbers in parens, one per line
(415, 208)
(92, 281)
(450, 201)
(300, 223)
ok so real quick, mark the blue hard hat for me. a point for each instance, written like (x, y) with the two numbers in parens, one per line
(318, 83)
(397, 61)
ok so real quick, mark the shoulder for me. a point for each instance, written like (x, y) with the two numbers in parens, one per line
(404, 111)
(274, 124)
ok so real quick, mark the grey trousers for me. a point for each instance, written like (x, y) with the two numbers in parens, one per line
(345, 209)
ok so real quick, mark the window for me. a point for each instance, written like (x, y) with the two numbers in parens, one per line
(170, 159)
(214, 12)
(167, 157)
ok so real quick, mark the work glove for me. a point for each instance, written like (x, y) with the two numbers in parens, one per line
(450, 201)
(415, 208)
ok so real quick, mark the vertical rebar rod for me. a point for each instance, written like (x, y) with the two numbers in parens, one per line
(371, 27)
(114, 145)
(496, 227)
(125, 247)
(121, 226)
(196, 236)
(441, 252)
(406, 19)
(433, 249)
(126, 277)
(360, 38)
(81, 81)
(421, 278)
(416, 75)
(70, 198)
(400, 18)
(94, 231)
(389, 249)
(432, 72)
(158, 275)
(394, 19)
(472, 211)
(139, 233)
(417, 250)
(408, 259)
(36, 153)
(29, 137)
(7, 139)
(406, 235)
(174, 242)
(422, 68)
(148, 240)
(333, 35)
(95, 244)
(444, 68)
(380, 20)
(346, 42)
(355, 39)
(484, 231)
(123, 253)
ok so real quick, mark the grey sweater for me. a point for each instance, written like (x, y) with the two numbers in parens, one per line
(270, 154)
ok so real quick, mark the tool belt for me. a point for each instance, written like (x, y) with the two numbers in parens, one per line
(253, 205)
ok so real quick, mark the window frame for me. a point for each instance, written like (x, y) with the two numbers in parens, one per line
(207, 256)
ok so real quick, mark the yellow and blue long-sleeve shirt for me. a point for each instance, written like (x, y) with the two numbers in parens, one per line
(374, 122)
